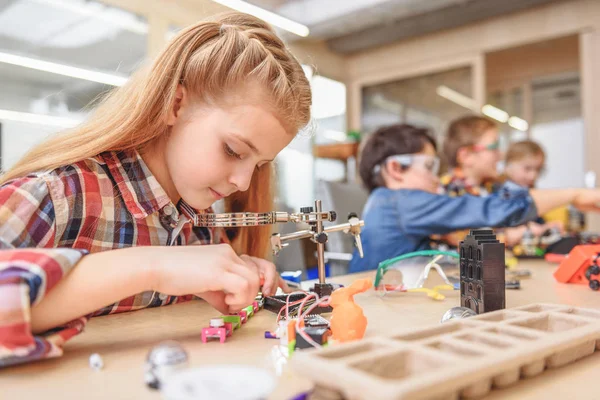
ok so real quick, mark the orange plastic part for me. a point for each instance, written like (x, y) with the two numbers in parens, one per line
(572, 268)
(291, 330)
(348, 321)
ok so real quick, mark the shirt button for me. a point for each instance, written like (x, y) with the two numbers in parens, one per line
(168, 210)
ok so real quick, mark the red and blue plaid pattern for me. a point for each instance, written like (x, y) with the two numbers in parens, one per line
(49, 221)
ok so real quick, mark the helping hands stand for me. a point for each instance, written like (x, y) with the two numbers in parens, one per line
(317, 232)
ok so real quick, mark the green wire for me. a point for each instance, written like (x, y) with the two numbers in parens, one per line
(383, 266)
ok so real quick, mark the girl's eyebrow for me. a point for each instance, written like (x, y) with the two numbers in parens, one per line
(247, 142)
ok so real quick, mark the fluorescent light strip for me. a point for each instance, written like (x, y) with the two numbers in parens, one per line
(96, 10)
(268, 16)
(489, 110)
(456, 97)
(495, 113)
(61, 69)
(39, 119)
(518, 123)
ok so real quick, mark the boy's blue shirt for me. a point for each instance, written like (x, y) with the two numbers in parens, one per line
(401, 221)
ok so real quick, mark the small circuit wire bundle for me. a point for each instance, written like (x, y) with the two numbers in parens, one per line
(301, 309)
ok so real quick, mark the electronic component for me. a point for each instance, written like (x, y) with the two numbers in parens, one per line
(516, 284)
(318, 335)
(482, 272)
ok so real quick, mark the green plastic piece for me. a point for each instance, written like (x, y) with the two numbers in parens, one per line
(249, 310)
(291, 347)
(384, 265)
(235, 320)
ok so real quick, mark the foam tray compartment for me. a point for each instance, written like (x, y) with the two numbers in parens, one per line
(463, 359)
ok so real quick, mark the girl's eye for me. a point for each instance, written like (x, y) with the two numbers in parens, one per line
(229, 151)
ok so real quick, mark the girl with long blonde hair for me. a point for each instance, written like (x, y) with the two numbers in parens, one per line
(91, 221)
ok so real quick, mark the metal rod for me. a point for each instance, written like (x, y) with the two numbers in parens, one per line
(320, 246)
(297, 235)
(305, 234)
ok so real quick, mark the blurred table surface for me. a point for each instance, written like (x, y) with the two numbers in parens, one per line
(123, 340)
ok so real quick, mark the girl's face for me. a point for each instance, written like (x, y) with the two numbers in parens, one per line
(483, 157)
(212, 152)
(525, 172)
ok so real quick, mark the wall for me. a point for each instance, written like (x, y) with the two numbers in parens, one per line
(517, 66)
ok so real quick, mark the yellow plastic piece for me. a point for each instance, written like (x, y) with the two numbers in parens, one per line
(511, 262)
(430, 293)
(558, 214)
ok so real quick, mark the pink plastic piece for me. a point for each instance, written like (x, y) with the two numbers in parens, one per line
(255, 306)
(220, 333)
(243, 315)
(229, 328)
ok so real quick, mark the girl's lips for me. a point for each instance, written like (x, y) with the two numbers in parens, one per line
(216, 194)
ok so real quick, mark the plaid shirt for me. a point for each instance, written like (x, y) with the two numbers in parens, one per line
(49, 221)
(455, 184)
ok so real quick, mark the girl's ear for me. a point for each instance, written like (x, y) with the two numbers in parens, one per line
(181, 99)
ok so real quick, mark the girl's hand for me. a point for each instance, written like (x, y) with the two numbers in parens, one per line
(269, 277)
(214, 272)
(587, 200)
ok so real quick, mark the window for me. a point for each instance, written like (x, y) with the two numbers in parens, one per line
(423, 100)
(104, 43)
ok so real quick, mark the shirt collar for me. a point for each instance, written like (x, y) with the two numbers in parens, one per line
(142, 193)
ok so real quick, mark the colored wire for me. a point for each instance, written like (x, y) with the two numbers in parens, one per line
(384, 265)
(319, 302)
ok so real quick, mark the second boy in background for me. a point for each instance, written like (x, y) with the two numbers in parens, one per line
(471, 149)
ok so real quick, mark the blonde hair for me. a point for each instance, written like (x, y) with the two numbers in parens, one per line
(521, 150)
(462, 132)
(210, 59)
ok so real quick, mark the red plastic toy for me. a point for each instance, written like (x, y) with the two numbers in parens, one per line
(582, 266)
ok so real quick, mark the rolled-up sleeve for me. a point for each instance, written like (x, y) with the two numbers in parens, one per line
(29, 269)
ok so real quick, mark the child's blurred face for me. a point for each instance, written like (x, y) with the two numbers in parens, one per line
(213, 152)
(482, 158)
(419, 176)
(525, 171)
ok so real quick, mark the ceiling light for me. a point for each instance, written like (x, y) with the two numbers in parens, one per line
(61, 69)
(111, 15)
(456, 97)
(495, 113)
(268, 16)
(39, 119)
(518, 123)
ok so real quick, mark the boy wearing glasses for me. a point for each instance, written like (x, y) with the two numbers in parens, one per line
(398, 165)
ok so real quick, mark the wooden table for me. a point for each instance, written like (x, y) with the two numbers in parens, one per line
(123, 341)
